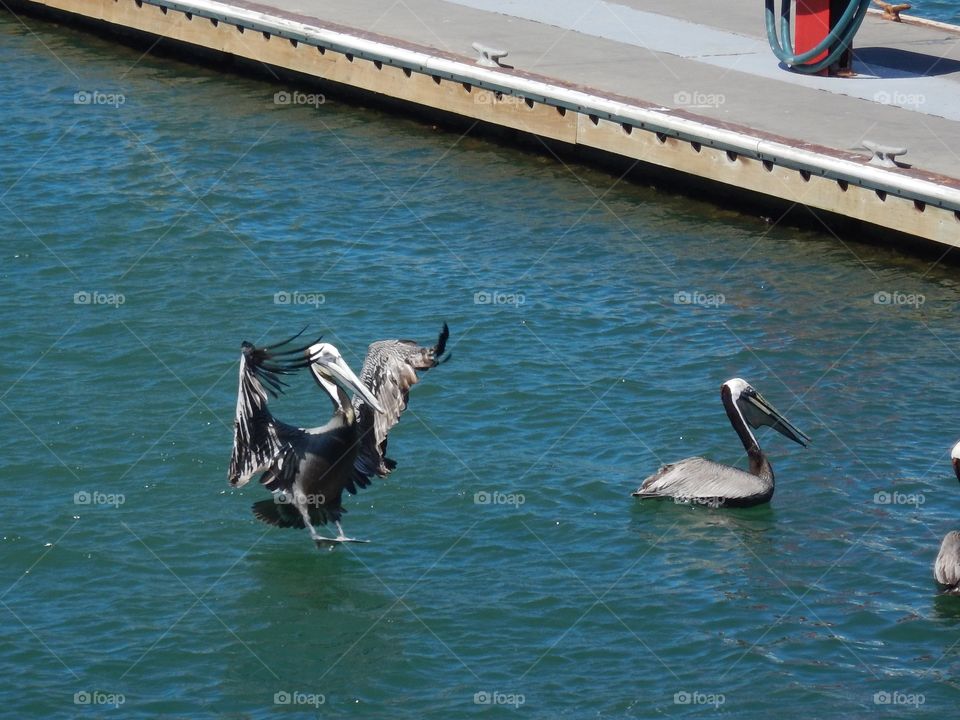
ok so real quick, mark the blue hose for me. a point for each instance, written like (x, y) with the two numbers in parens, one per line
(836, 42)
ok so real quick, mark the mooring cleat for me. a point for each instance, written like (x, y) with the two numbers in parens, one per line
(489, 57)
(884, 155)
(891, 11)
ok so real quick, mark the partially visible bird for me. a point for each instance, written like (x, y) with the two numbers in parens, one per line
(955, 459)
(307, 470)
(946, 569)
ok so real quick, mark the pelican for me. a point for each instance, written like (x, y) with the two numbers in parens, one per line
(955, 459)
(708, 483)
(307, 469)
(946, 570)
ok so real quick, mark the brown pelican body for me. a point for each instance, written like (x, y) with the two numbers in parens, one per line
(703, 482)
(307, 470)
(946, 569)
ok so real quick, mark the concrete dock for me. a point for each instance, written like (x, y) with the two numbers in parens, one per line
(691, 87)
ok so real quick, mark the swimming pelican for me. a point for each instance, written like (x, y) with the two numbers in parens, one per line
(307, 470)
(708, 483)
(946, 570)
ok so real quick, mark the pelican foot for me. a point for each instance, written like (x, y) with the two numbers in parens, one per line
(325, 542)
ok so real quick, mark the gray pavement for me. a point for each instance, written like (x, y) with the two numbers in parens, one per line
(707, 57)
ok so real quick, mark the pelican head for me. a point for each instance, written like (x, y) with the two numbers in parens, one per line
(757, 411)
(330, 370)
(955, 459)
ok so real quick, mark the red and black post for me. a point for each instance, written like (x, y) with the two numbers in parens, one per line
(813, 22)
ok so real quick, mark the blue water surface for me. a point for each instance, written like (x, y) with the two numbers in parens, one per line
(943, 10)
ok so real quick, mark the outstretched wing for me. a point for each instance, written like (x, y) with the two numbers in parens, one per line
(389, 371)
(257, 436)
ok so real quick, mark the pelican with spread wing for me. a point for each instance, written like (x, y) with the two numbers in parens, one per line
(307, 469)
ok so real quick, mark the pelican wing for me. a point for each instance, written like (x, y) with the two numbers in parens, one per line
(946, 570)
(697, 478)
(259, 439)
(389, 371)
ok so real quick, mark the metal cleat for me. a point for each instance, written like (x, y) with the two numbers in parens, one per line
(884, 155)
(891, 11)
(489, 57)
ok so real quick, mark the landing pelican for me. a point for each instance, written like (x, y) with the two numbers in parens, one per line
(946, 570)
(307, 470)
(704, 482)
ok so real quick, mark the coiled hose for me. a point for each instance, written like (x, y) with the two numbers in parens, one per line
(836, 42)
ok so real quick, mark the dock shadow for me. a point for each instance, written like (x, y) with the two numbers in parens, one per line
(895, 63)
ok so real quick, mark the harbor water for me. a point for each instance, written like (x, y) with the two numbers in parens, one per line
(156, 214)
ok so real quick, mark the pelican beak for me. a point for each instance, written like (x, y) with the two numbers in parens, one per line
(340, 373)
(758, 412)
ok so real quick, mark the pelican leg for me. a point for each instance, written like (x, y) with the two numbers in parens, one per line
(342, 536)
(301, 503)
(321, 541)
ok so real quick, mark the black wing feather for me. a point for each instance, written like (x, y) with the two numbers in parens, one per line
(257, 440)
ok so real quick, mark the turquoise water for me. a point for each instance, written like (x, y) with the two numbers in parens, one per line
(942, 10)
(143, 241)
